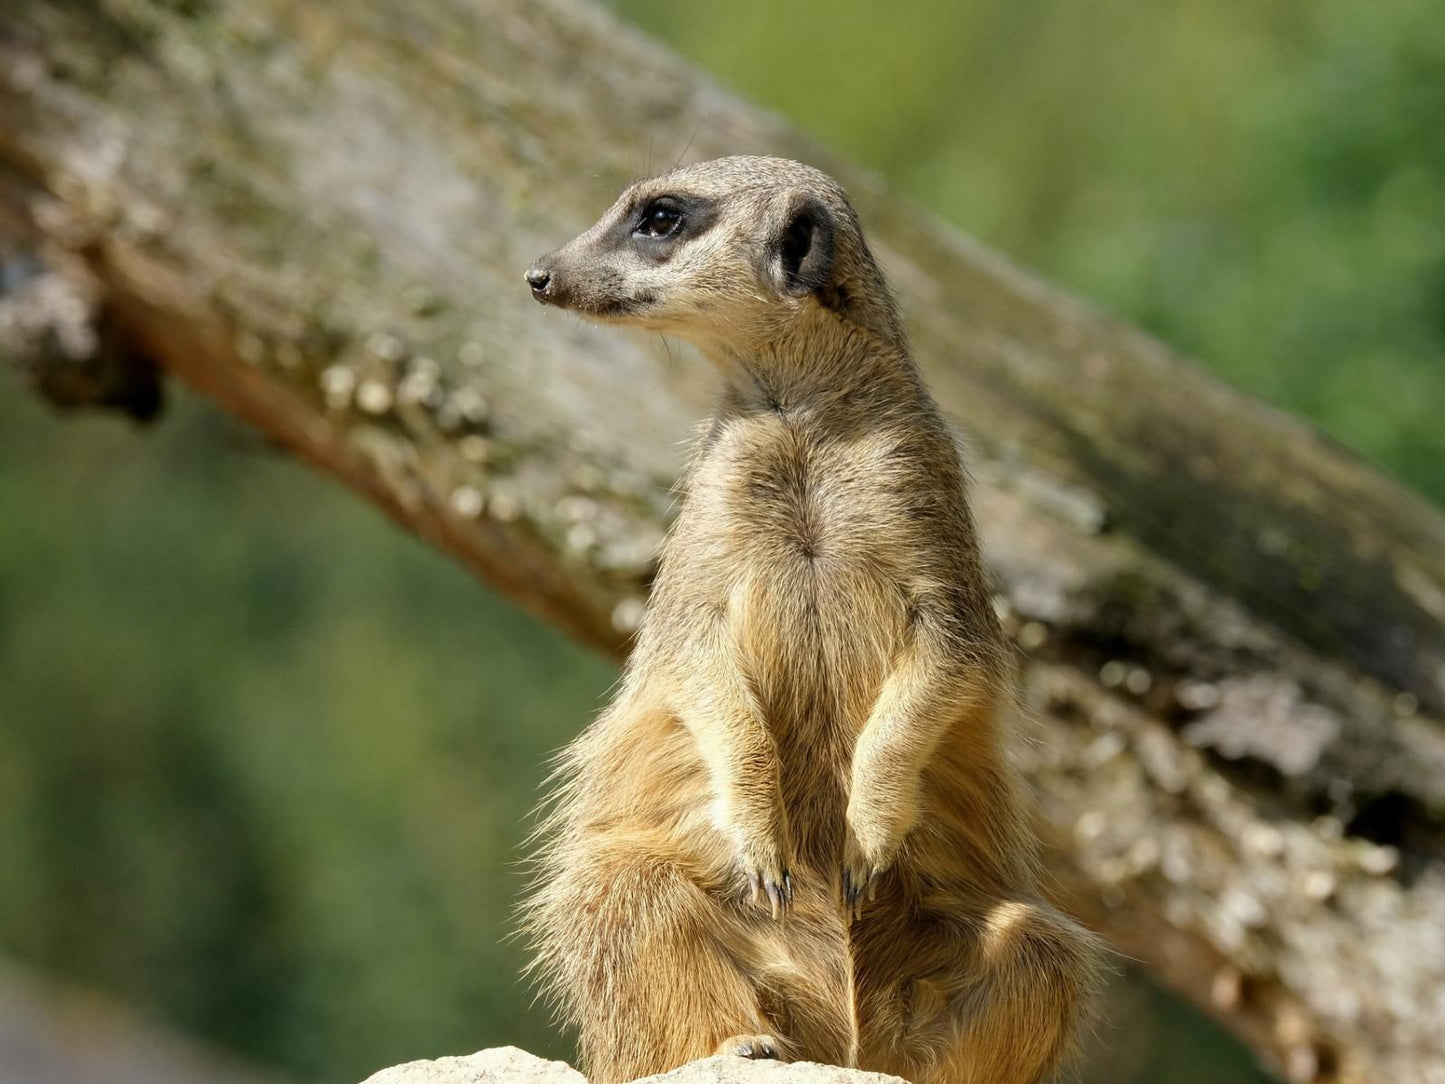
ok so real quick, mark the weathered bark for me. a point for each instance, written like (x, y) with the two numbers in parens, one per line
(318, 214)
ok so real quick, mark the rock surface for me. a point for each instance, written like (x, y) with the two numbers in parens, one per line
(501, 1063)
(730, 1070)
(507, 1063)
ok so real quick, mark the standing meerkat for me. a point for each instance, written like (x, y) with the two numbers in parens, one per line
(795, 831)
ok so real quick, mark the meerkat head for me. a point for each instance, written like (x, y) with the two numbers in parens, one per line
(731, 253)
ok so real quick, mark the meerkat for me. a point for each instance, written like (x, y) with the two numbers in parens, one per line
(795, 832)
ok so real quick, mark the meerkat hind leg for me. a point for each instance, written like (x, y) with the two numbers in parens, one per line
(1003, 1010)
(683, 996)
(1036, 978)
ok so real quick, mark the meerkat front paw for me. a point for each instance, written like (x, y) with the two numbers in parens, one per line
(768, 875)
(859, 872)
(760, 836)
(875, 831)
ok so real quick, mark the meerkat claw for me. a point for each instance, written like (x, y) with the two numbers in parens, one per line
(854, 886)
(779, 897)
(774, 889)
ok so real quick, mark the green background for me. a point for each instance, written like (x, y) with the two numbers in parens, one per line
(265, 762)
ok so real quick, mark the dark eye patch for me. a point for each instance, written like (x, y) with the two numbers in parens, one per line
(657, 225)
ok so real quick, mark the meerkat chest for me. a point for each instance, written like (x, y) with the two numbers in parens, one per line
(789, 502)
(808, 546)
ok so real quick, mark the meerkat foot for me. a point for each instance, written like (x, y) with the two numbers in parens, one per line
(754, 1047)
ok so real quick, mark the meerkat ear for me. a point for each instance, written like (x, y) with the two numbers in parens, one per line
(804, 252)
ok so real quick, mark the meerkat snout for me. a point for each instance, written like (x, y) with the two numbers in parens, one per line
(539, 278)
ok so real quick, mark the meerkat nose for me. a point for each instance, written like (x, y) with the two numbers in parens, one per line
(539, 278)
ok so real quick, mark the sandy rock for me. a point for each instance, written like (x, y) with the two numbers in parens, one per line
(508, 1064)
(731, 1070)
(496, 1066)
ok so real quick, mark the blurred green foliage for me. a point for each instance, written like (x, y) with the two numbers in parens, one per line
(264, 761)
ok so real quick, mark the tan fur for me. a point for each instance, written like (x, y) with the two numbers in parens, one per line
(818, 696)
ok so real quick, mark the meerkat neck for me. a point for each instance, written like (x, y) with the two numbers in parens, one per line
(811, 366)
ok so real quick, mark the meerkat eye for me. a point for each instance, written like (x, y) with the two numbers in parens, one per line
(661, 218)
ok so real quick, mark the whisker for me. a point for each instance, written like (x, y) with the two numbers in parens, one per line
(687, 148)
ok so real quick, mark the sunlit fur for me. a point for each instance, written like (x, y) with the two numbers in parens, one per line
(819, 687)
